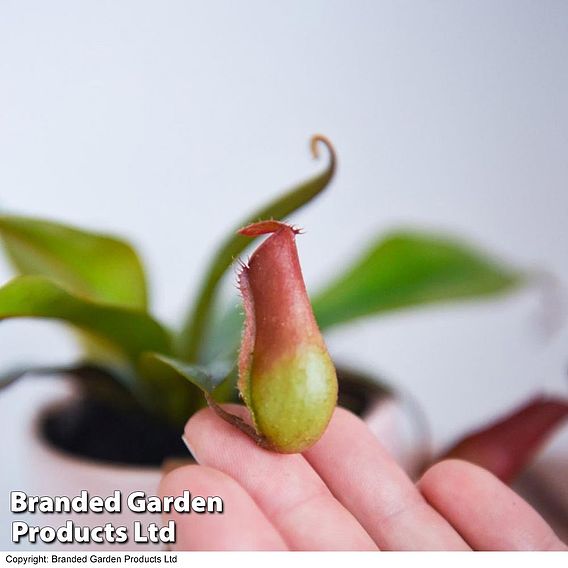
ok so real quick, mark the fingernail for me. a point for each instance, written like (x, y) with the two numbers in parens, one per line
(188, 446)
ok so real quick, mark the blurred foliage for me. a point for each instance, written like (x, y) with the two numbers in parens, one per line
(408, 269)
(191, 338)
(402, 270)
(97, 285)
(97, 267)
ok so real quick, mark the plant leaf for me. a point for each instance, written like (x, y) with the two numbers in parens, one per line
(402, 270)
(224, 333)
(95, 266)
(99, 382)
(508, 445)
(206, 378)
(8, 378)
(130, 331)
(410, 269)
(178, 387)
(190, 339)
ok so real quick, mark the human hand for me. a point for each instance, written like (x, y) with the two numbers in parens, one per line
(344, 493)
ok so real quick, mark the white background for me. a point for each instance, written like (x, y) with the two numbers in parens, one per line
(169, 121)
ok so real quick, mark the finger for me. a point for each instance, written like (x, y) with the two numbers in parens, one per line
(368, 481)
(285, 487)
(241, 526)
(488, 514)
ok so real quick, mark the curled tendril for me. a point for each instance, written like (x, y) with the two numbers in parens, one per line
(190, 340)
(314, 149)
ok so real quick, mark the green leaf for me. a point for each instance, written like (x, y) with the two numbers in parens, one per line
(206, 378)
(402, 270)
(177, 387)
(8, 378)
(411, 269)
(95, 266)
(191, 338)
(224, 333)
(129, 331)
(99, 382)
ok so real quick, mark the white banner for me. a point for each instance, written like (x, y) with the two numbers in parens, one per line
(283, 559)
